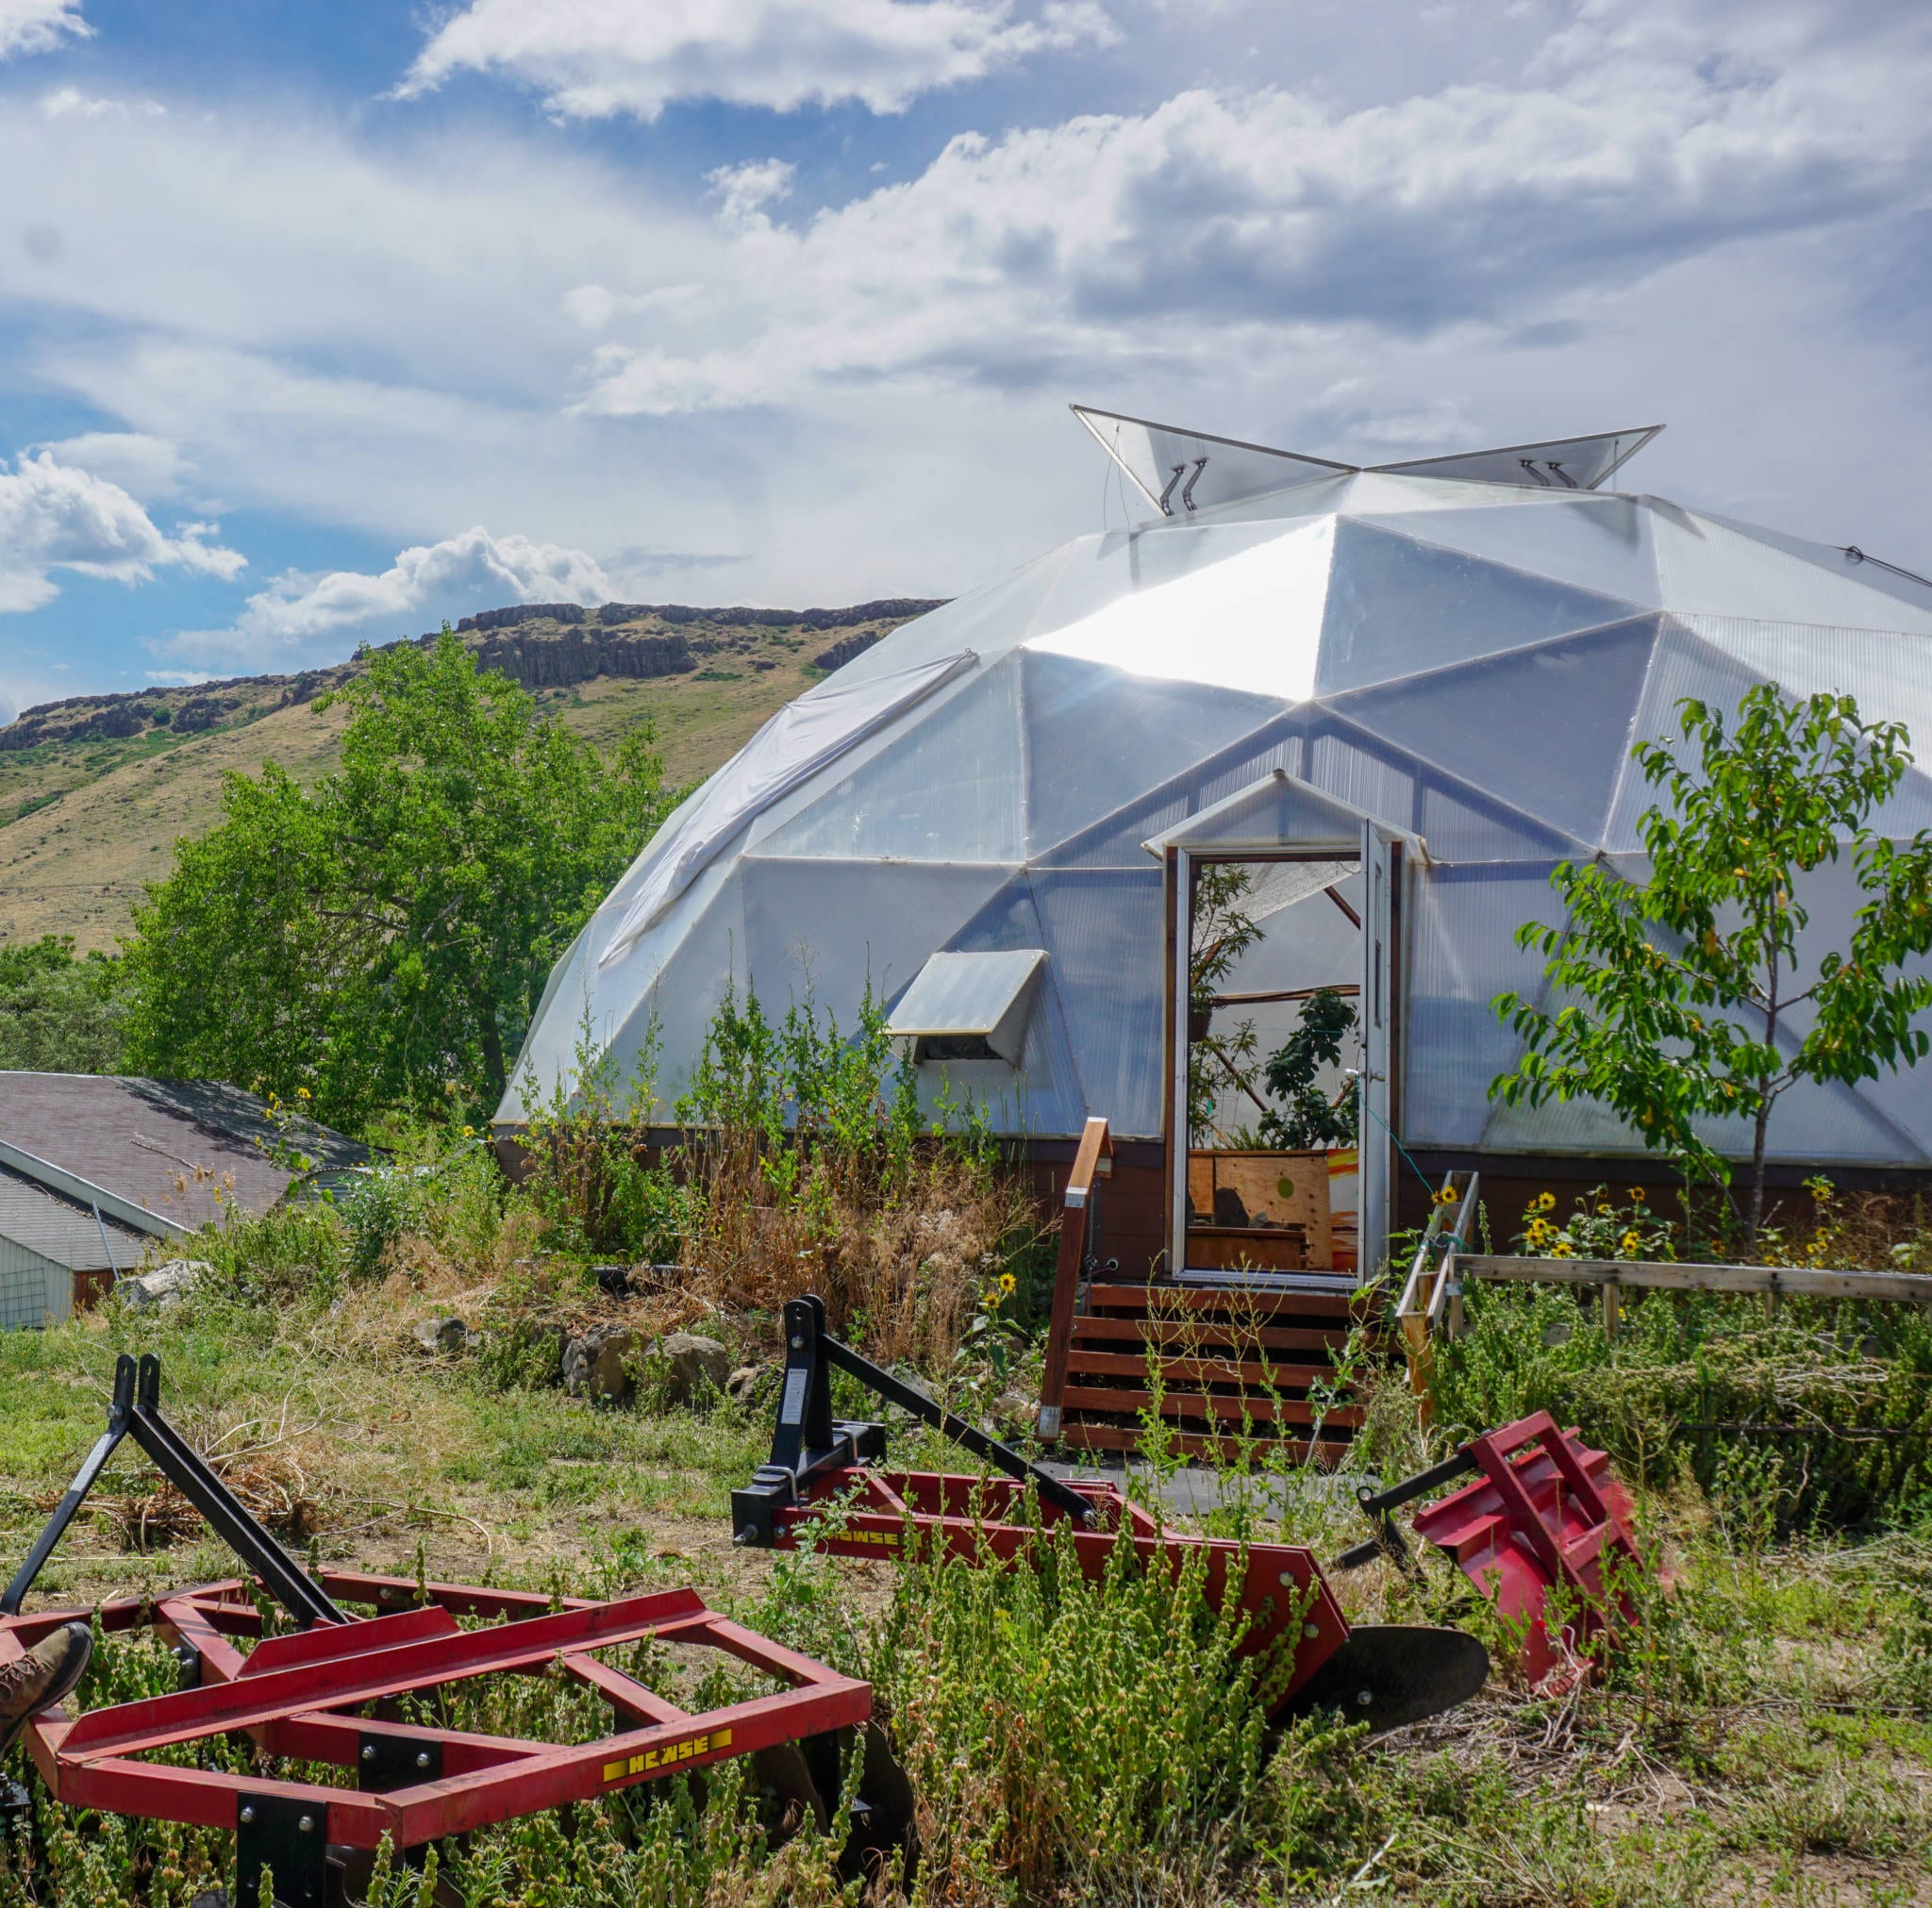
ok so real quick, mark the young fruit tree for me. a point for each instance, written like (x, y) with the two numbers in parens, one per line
(1680, 1001)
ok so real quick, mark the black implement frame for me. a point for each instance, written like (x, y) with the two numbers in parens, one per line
(1377, 1505)
(809, 1442)
(136, 1412)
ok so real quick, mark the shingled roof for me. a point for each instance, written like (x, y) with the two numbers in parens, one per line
(159, 1156)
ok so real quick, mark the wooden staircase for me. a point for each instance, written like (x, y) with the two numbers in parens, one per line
(1219, 1366)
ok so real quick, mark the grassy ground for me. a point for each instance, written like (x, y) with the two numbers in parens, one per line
(1769, 1740)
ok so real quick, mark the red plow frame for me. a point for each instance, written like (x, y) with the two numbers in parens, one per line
(301, 1694)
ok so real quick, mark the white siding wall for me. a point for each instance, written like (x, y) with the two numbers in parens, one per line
(34, 1292)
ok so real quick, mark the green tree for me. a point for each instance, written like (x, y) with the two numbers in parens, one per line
(1673, 998)
(383, 941)
(60, 1013)
(1310, 1119)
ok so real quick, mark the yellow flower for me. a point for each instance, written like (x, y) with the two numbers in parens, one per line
(1562, 1249)
(303, 1093)
(1007, 1282)
(469, 1133)
(1448, 1196)
(1546, 1201)
(1628, 1244)
(1538, 1229)
(1605, 1210)
(1638, 1195)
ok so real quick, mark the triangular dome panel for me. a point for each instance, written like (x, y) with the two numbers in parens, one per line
(1544, 729)
(1397, 606)
(1598, 542)
(1708, 568)
(1248, 621)
(1096, 737)
(957, 794)
(810, 925)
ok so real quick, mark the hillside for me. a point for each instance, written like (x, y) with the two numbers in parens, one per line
(95, 789)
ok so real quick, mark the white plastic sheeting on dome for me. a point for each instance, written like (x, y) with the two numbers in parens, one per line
(1463, 651)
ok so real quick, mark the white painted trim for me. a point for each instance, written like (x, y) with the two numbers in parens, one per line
(57, 1179)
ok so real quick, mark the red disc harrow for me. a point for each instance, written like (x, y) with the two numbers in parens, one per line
(304, 1694)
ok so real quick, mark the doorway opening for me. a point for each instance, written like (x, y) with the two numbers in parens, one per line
(1268, 1084)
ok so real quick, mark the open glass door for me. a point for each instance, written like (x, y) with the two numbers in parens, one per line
(1280, 1036)
(1381, 863)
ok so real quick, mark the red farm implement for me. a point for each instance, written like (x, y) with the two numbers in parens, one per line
(1383, 1674)
(307, 1694)
(1544, 1519)
(1541, 1518)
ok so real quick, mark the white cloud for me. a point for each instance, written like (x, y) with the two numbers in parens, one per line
(53, 517)
(38, 25)
(1268, 220)
(145, 467)
(71, 102)
(743, 191)
(596, 58)
(467, 571)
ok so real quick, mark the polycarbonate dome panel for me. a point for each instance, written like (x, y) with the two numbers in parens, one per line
(1545, 730)
(1177, 471)
(954, 792)
(679, 972)
(1686, 665)
(1096, 737)
(1251, 622)
(1104, 573)
(1110, 971)
(1120, 839)
(1458, 822)
(1706, 567)
(1559, 464)
(1461, 954)
(1868, 572)
(1598, 542)
(1884, 670)
(814, 925)
(1397, 606)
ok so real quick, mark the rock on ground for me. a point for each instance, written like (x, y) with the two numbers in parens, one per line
(605, 1361)
(165, 1285)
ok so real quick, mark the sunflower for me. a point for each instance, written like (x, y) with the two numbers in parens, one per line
(1007, 1282)
(1629, 1245)
(1607, 1210)
(1638, 1195)
(1562, 1249)
(1546, 1201)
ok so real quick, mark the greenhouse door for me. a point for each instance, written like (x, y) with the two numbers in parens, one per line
(1280, 1037)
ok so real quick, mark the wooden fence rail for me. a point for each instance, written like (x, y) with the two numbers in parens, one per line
(1906, 1288)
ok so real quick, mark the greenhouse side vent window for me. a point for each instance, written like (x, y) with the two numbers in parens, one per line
(969, 1007)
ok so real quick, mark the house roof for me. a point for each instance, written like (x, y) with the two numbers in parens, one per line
(63, 1230)
(159, 1156)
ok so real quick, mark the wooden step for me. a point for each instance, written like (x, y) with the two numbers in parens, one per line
(1197, 1444)
(1236, 1301)
(1258, 1410)
(1270, 1377)
(1203, 1336)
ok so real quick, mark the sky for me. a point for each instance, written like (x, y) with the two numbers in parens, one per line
(319, 324)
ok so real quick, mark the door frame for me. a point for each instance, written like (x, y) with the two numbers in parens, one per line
(1357, 837)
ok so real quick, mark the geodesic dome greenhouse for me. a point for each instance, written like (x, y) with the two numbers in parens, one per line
(1457, 654)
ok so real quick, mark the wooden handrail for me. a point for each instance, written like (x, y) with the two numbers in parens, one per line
(1093, 1160)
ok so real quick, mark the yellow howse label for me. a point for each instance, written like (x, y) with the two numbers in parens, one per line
(671, 1752)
